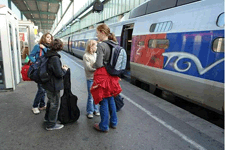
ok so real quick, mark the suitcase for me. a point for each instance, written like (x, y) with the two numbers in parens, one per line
(24, 71)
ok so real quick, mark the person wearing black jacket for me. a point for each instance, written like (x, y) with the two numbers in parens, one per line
(54, 85)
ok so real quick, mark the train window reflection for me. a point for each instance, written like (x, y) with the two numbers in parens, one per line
(141, 43)
(218, 45)
(158, 43)
(161, 26)
(220, 20)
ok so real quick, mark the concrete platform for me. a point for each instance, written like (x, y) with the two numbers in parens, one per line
(146, 122)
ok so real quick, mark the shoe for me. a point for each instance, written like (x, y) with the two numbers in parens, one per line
(35, 110)
(56, 127)
(42, 108)
(114, 127)
(96, 126)
(90, 116)
(96, 113)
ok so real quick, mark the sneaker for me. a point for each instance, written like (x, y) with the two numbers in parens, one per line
(35, 110)
(90, 116)
(96, 113)
(56, 127)
(42, 108)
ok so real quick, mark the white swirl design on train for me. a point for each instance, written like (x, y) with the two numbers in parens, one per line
(182, 55)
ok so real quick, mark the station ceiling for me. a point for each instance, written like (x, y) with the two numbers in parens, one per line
(41, 12)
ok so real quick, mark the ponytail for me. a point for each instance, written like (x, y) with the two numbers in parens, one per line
(112, 37)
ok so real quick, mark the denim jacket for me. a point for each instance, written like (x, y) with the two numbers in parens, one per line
(36, 52)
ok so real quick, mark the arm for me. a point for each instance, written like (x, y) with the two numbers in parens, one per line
(99, 59)
(57, 67)
(87, 64)
(33, 53)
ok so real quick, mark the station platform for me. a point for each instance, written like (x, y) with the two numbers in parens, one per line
(146, 122)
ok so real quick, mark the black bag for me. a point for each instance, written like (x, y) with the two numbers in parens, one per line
(69, 111)
(38, 71)
(119, 102)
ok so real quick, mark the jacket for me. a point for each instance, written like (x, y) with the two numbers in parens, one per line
(55, 71)
(35, 53)
(89, 60)
(104, 85)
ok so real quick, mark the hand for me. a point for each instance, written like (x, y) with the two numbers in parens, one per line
(2, 5)
(42, 46)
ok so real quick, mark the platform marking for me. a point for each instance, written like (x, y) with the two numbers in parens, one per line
(157, 119)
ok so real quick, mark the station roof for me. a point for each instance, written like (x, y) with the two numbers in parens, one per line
(41, 12)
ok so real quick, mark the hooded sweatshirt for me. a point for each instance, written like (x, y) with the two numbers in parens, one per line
(55, 71)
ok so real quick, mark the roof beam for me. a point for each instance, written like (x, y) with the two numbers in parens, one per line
(43, 19)
(46, 24)
(41, 12)
(50, 1)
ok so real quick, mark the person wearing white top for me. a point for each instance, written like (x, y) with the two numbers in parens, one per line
(89, 59)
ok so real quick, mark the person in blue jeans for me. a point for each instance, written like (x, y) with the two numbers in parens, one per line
(39, 50)
(107, 105)
(89, 59)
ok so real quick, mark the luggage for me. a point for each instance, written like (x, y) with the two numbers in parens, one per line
(119, 102)
(24, 71)
(69, 111)
(117, 61)
(38, 72)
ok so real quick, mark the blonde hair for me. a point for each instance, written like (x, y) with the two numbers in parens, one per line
(104, 28)
(90, 43)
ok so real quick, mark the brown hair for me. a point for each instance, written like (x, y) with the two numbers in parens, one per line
(56, 45)
(104, 28)
(90, 43)
(43, 38)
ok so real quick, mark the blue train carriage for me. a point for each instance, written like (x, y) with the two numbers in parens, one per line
(66, 41)
(181, 49)
(79, 41)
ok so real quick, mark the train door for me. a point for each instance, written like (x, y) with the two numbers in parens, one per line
(126, 42)
(68, 44)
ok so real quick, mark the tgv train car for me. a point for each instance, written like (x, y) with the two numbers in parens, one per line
(174, 45)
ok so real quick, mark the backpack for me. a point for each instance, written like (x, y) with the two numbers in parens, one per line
(117, 60)
(38, 71)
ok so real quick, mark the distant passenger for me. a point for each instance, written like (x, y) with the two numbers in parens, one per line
(105, 86)
(54, 85)
(89, 59)
(44, 45)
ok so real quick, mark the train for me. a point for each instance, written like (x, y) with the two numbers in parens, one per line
(173, 45)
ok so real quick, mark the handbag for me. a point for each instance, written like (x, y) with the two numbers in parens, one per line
(119, 102)
(26, 67)
(24, 71)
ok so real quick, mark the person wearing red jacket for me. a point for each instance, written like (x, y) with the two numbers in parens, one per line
(105, 86)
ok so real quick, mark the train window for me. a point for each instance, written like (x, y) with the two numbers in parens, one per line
(161, 27)
(220, 20)
(139, 11)
(158, 43)
(182, 2)
(218, 45)
(141, 43)
(157, 5)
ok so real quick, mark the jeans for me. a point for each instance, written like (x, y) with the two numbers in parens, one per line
(107, 106)
(52, 109)
(40, 97)
(91, 107)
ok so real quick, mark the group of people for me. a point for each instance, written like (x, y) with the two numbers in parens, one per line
(97, 55)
